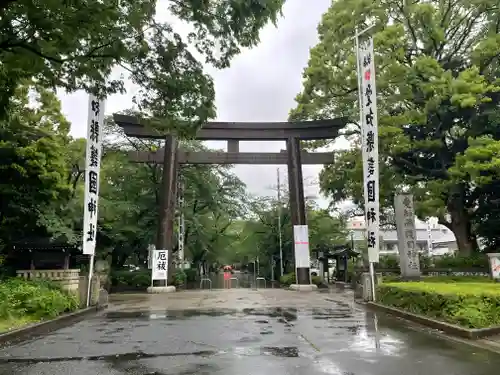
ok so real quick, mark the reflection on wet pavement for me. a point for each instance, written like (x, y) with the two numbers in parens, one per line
(336, 337)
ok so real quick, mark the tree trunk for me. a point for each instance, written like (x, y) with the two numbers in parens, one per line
(461, 227)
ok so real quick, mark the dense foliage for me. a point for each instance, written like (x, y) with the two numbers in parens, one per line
(256, 237)
(438, 88)
(470, 304)
(33, 300)
(98, 46)
(78, 45)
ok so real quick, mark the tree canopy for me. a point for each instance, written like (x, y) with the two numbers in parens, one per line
(76, 44)
(438, 87)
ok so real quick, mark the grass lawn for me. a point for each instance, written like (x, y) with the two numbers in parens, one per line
(11, 324)
(468, 303)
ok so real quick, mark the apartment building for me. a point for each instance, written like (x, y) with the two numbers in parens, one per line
(443, 240)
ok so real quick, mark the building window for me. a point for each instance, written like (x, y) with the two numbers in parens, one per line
(389, 247)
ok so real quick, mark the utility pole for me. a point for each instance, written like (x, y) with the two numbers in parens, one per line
(279, 222)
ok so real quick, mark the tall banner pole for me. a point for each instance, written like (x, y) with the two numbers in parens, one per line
(92, 173)
(367, 96)
(282, 272)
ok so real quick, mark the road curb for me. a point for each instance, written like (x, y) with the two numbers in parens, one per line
(452, 329)
(481, 343)
(21, 334)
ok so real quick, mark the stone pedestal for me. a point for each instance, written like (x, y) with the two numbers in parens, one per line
(367, 285)
(303, 287)
(94, 290)
(161, 289)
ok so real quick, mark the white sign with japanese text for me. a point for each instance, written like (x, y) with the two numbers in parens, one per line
(160, 265)
(301, 246)
(494, 259)
(369, 146)
(409, 261)
(92, 169)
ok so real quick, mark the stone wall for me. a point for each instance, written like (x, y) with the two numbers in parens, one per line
(68, 279)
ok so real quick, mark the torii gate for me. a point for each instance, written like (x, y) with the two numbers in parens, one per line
(233, 132)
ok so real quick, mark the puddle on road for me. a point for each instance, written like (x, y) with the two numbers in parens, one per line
(285, 315)
(287, 351)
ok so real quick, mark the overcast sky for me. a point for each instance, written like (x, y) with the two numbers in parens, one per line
(260, 85)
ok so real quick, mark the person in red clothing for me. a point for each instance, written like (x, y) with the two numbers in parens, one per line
(227, 277)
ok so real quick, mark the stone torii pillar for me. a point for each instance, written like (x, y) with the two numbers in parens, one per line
(297, 205)
(165, 231)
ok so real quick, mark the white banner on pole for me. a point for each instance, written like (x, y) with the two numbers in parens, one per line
(370, 146)
(429, 238)
(92, 170)
(301, 246)
(160, 265)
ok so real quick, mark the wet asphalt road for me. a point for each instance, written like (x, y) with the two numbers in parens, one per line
(242, 332)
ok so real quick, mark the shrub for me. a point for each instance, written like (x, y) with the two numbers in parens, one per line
(288, 279)
(136, 279)
(468, 304)
(191, 274)
(451, 261)
(142, 278)
(36, 299)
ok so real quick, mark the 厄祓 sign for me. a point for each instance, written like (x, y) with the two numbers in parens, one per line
(92, 169)
(160, 265)
(407, 236)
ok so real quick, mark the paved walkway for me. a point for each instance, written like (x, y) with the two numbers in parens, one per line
(241, 331)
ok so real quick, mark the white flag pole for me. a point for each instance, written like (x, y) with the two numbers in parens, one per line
(369, 151)
(92, 174)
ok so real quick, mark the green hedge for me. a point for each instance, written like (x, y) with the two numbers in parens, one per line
(444, 261)
(34, 299)
(444, 279)
(468, 304)
(289, 279)
(142, 278)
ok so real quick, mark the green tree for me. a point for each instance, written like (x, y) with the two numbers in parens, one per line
(259, 234)
(437, 86)
(33, 142)
(76, 44)
(214, 199)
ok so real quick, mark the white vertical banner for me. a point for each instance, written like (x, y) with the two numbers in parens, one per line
(369, 145)
(92, 171)
(160, 265)
(301, 246)
(429, 238)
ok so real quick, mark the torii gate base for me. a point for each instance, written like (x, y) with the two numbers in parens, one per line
(161, 289)
(291, 132)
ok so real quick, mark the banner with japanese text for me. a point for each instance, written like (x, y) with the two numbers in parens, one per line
(369, 146)
(92, 169)
(301, 246)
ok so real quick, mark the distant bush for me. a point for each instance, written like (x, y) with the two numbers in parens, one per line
(141, 279)
(468, 304)
(135, 279)
(451, 261)
(288, 279)
(444, 261)
(36, 299)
